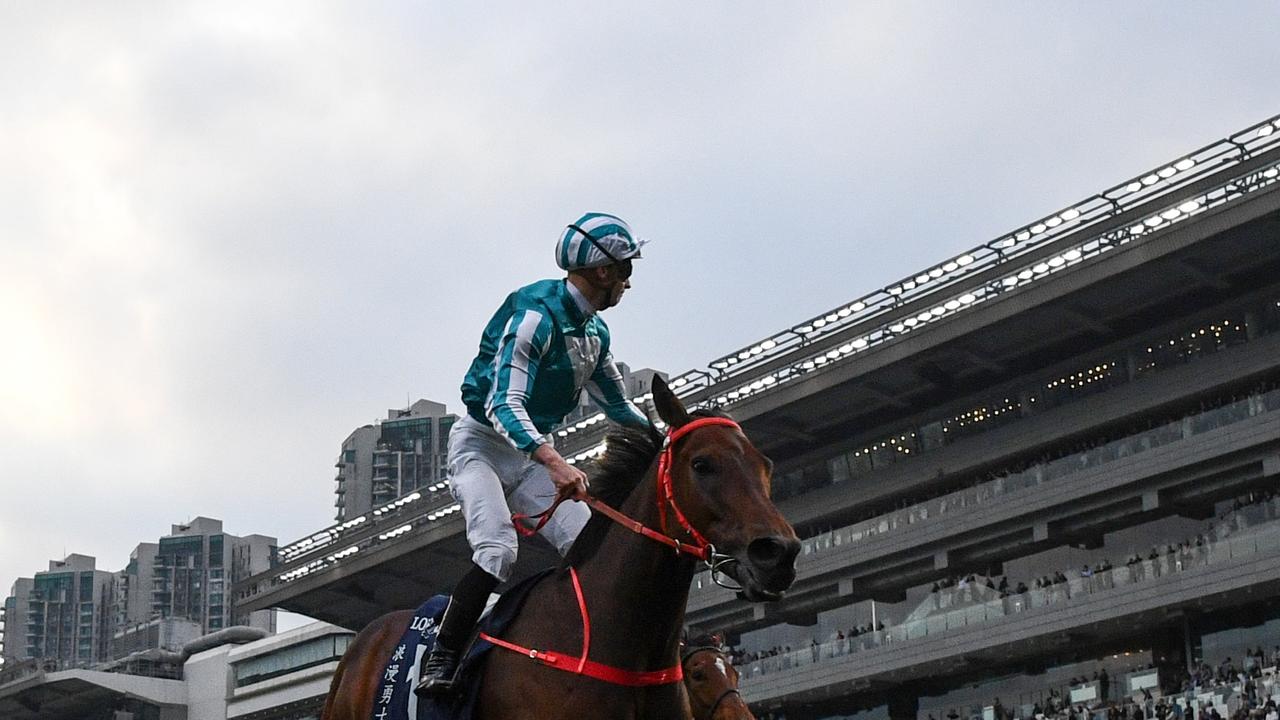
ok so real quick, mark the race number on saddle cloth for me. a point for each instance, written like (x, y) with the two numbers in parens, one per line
(396, 700)
(541, 349)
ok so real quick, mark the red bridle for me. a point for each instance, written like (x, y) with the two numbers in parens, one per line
(700, 549)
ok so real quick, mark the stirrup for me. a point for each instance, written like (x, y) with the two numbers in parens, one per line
(439, 671)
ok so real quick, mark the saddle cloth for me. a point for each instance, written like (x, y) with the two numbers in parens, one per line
(396, 700)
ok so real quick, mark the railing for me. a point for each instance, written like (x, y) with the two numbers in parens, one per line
(999, 489)
(1262, 540)
(1108, 206)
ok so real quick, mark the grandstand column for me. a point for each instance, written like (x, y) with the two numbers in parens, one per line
(1252, 323)
(904, 704)
(1188, 649)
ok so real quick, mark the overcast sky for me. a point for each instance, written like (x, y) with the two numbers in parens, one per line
(231, 232)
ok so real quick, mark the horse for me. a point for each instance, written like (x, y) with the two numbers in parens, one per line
(711, 682)
(629, 570)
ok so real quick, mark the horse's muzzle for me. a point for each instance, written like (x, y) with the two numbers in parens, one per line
(768, 568)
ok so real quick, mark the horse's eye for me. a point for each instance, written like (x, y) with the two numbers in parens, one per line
(703, 466)
(699, 675)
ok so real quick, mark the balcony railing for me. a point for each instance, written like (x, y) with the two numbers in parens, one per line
(1000, 489)
(1253, 542)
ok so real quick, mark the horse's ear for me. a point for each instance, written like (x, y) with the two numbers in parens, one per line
(670, 409)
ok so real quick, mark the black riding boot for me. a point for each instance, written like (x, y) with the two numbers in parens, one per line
(468, 601)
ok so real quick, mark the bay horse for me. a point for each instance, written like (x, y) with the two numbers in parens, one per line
(711, 681)
(628, 585)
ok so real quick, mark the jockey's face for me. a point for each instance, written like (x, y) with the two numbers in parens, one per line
(615, 280)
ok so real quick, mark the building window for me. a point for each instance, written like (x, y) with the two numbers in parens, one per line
(291, 659)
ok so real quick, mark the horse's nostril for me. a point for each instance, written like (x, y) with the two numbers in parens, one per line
(771, 552)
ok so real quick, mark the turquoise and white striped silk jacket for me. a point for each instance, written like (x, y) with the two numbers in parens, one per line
(537, 354)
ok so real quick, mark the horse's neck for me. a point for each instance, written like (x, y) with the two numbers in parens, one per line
(636, 588)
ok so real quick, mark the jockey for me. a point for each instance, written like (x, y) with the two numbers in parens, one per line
(539, 351)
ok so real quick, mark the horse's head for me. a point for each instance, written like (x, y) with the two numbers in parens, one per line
(721, 483)
(712, 684)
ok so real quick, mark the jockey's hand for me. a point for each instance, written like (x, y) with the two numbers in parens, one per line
(569, 480)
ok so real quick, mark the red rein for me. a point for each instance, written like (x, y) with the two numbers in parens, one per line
(701, 549)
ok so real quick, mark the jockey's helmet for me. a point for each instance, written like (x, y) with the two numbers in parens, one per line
(595, 240)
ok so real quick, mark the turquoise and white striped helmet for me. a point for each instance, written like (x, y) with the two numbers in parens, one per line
(595, 240)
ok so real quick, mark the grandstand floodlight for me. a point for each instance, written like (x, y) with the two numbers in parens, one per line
(950, 267)
(860, 343)
(1056, 261)
(1136, 229)
(820, 322)
(858, 306)
(911, 322)
(1185, 164)
(968, 298)
(832, 318)
(1041, 268)
(894, 290)
(1072, 255)
(922, 278)
(768, 344)
(1054, 221)
(1167, 172)
(1010, 281)
(965, 259)
(1026, 275)
(1134, 186)
(1154, 221)
(1171, 213)
(936, 272)
(1022, 236)
(1038, 228)
(952, 304)
(1266, 130)
(1189, 206)
(897, 328)
(1151, 179)
(1070, 214)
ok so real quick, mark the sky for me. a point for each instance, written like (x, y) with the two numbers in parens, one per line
(230, 233)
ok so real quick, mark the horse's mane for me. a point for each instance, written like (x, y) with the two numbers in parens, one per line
(629, 453)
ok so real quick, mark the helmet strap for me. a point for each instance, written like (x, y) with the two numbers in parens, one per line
(595, 242)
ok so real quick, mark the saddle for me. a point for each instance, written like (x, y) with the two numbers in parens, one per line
(396, 700)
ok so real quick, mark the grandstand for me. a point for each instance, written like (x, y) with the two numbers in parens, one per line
(1051, 457)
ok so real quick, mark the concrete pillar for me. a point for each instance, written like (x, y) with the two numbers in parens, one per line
(1040, 532)
(1150, 501)
(903, 704)
(1252, 325)
(1130, 364)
